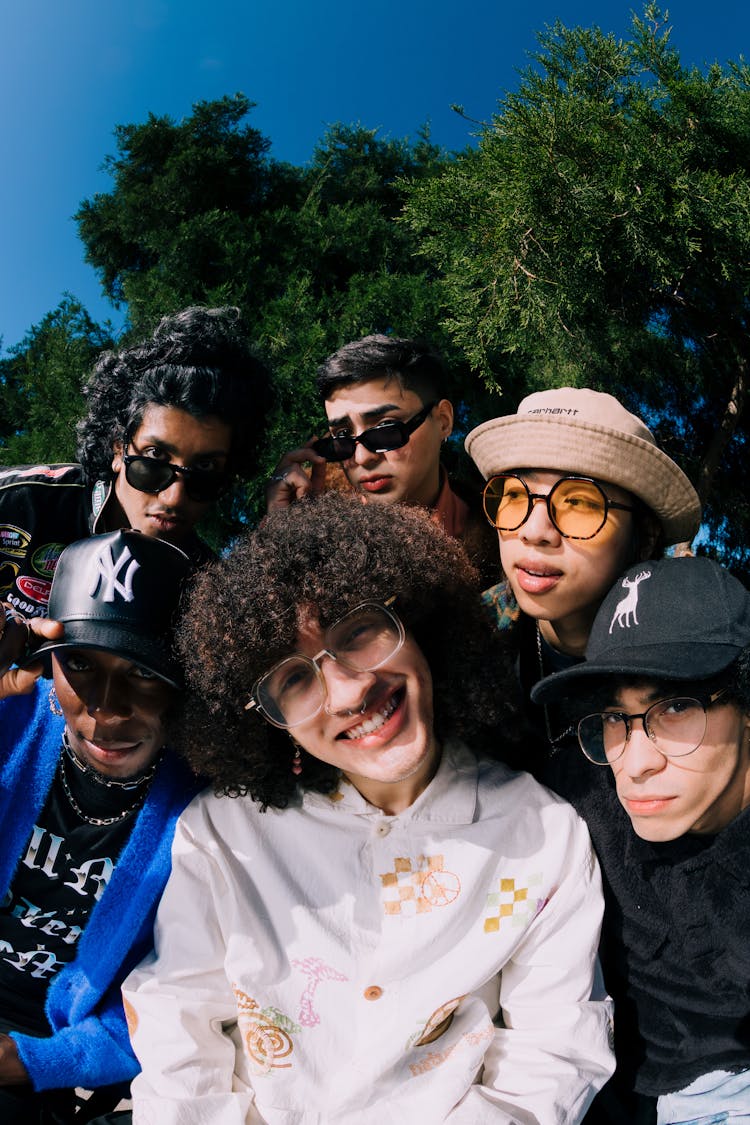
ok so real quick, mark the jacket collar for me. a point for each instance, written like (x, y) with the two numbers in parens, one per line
(450, 798)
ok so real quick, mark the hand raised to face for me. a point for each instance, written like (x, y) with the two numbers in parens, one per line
(19, 635)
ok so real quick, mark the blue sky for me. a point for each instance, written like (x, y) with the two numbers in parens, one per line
(70, 72)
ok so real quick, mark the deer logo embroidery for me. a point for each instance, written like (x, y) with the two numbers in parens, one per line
(625, 611)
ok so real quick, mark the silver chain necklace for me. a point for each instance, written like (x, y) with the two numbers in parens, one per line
(100, 821)
(551, 738)
(107, 782)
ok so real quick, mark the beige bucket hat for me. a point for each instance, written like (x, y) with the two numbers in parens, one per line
(577, 430)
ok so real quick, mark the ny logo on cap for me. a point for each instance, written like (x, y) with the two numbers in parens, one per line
(116, 575)
(625, 610)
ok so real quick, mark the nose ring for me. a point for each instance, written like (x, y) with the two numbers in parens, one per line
(348, 712)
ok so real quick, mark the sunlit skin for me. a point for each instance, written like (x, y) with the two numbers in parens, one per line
(701, 792)
(562, 582)
(114, 710)
(392, 765)
(409, 475)
(168, 434)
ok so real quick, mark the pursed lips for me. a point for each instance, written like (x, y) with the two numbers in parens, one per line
(373, 483)
(644, 800)
(166, 517)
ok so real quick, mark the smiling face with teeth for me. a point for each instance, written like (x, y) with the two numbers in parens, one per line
(562, 582)
(376, 727)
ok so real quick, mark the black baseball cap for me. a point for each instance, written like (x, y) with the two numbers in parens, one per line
(680, 618)
(120, 592)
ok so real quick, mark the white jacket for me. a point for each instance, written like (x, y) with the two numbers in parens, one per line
(327, 963)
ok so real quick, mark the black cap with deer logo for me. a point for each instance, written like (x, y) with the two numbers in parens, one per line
(669, 619)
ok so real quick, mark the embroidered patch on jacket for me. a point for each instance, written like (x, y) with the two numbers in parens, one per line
(512, 904)
(437, 1024)
(14, 540)
(8, 572)
(45, 558)
(471, 1040)
(316, 971)
(415, 887)
(266, 1033)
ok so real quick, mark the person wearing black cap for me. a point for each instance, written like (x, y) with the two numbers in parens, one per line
(88, 800)
(662, 702)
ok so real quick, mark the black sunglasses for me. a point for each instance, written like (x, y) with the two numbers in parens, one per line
(147, 474)
(391, 434)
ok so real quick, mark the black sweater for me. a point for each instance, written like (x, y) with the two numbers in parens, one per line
(676, 940)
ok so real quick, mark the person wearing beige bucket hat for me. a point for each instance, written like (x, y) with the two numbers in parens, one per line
(578, 490)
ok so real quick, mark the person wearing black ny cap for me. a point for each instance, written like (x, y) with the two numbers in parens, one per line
(662, 711)
(88, 799)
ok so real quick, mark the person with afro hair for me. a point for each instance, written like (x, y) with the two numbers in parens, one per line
(171, 421)
(369, 918)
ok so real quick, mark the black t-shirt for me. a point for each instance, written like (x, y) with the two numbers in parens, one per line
(61, 875)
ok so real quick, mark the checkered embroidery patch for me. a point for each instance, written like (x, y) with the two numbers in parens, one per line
(417, 886)
(513, 903)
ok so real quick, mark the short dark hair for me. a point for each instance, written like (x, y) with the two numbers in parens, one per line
(415, 364)
(332, 553)
(199, 360)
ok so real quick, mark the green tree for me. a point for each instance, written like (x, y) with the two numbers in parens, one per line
(199, 212)
(183, 223)
(600, 235)
(42, 379)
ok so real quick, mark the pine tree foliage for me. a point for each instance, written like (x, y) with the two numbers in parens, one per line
(600, 235)
(42, 380)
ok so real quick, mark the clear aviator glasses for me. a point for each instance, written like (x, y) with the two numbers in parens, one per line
(676, 726)
(294, 690)
(577, 506)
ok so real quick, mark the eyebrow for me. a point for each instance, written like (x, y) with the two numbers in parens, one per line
(373, 415)
(651, 695)
(152, 439)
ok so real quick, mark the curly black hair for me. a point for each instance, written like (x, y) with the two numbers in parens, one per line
(332, 553)
(198, 360)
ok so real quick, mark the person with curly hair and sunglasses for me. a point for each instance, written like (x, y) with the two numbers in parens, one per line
(171, 422)
(369, 919)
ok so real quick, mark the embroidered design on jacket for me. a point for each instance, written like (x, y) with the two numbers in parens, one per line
(416, 887)
(512, 904)
(316, 971)
(437, 1024)
(266, 1033)
(471, 1039)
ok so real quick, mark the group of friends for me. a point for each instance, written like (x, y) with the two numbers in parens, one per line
(317, 831)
